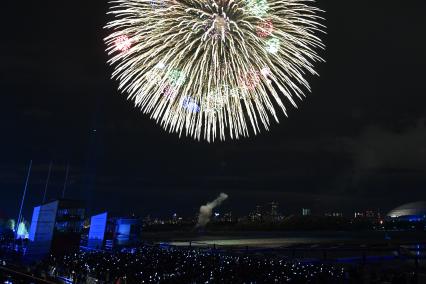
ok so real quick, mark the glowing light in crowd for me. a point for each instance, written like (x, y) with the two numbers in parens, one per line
(123, 43)
(192, 49)
(182, 265)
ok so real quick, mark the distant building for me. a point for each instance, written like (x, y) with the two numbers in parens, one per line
(359, 215)
(175, 219)
(269, 213)
(274, 211)
(306, 212)
(333, 214)
(368, 214)
(56, 227)
(257, 215)
(109, 232)
(227, 217)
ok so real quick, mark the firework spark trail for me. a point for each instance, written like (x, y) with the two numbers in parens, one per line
(213, 53)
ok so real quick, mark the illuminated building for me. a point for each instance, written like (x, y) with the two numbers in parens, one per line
(369, 214)
(109, 232)
(274, 210)
(359, 215)
(56, 228)
(257, 215)
(306, 212)
(176, 219)
(271, 214)
(97, 230)
(333, 214)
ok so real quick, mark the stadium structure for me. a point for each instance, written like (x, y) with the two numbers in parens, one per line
(410, 216)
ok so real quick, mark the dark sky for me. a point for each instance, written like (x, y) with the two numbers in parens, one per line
(358, 141)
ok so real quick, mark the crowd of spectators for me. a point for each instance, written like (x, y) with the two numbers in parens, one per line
(152, 264)
(168, 264)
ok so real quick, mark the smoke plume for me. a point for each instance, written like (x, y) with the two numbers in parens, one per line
(206, 210)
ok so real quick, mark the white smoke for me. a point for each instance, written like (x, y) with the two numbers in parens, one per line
(206, 210)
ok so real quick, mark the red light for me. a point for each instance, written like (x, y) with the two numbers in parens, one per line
(264, 28)
(123, 43)
(250, 80)
(169, 92)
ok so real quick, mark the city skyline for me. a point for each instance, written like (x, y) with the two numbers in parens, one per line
(264, 209)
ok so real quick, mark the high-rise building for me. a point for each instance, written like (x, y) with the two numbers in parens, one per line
(359, 215)
(306, 212)
(274, 210)
(257, 215)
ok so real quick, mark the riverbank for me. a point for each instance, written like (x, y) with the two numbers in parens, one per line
(283, 239)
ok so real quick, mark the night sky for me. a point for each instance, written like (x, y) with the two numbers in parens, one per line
(357, 142)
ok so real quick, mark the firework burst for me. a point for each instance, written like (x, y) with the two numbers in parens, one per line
(213, 68)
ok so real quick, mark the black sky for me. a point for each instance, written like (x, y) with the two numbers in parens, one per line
(358, 141)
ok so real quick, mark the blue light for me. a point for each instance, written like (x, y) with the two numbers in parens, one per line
(190, 105)
(415, 219)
